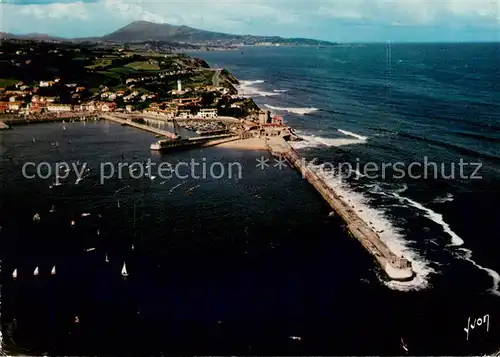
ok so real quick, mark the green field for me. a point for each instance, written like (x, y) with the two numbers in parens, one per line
(101, 62)
(6, 82)
(143, 66)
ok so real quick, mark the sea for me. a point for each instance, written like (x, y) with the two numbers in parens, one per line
(240, 255)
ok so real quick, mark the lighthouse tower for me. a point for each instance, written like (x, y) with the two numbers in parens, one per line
(179, 86)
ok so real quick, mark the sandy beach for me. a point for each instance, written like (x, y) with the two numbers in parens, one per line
(248, 144)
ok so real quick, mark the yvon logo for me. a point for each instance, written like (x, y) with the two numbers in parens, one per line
(477, 323)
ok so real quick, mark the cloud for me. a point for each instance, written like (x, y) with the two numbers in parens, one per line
(67, 10)
(270, 17)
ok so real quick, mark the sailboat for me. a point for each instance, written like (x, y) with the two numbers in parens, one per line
(36, 218)
(124, 271)
(106, 259)
(33, 140)
(133, 247)
(405, 347)
(53, 271)
(53, 209)
(35, 273)
(14, 274)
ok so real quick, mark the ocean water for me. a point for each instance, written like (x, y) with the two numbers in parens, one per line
(240, 264)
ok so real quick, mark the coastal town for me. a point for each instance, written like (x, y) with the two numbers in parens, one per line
(134, 86)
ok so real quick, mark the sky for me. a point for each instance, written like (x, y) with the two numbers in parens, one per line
(343, 21)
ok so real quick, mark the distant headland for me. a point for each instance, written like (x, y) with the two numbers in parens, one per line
(177, 36)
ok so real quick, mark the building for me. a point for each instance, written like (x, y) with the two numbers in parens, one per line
(184, 113)
(208, 113)
(15, 105)
(277, 120)
(182, 102)
(4, 106)
(108, 107)
(264, 117)
(59, 108)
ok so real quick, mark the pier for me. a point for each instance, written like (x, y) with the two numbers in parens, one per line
(395, 267)
(156, 131)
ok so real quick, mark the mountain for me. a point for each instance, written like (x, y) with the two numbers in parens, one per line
(148, 31)
(30, 36)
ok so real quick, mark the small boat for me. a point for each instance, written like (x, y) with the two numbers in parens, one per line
(106, 259)
(405, 347)
(85, 214)
(90, 249)
(124, 271)
(78, 181)
(98, 233)
(36, 218)
(298, 338)
(33, 140)
(133, 248)
(53, 209)
(152, 178)
(14, 274)
(35, 273)
(72, 223)
(53, 271)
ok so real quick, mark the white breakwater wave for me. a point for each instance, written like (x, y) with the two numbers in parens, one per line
(455, 241)
(300, 111)
(354, 135)
(250, 89)
(448, 198)
(435, 217)
(312, 141)
(389, 234)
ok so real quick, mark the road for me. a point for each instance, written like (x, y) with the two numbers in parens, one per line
(216, 78)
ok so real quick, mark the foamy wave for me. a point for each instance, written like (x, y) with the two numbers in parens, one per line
(311, 141)
(455, 241)
(300, 111)
(435, 217)
(249, 89)
(280, 90)
(389, 234)
(354, 135)
(447, 198)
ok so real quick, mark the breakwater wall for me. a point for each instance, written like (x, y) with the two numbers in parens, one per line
(157, 131)
(395, 267)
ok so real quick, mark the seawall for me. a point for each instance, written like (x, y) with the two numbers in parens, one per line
(395, 267)
(157, 131)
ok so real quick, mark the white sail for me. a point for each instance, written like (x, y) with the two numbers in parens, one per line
(53, 271)
(106, 259)
(124, 270)
(36, 271)
(133, 247)
(98, 232)
(14, 274)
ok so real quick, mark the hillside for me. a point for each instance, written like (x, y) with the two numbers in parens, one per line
(148, 31)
